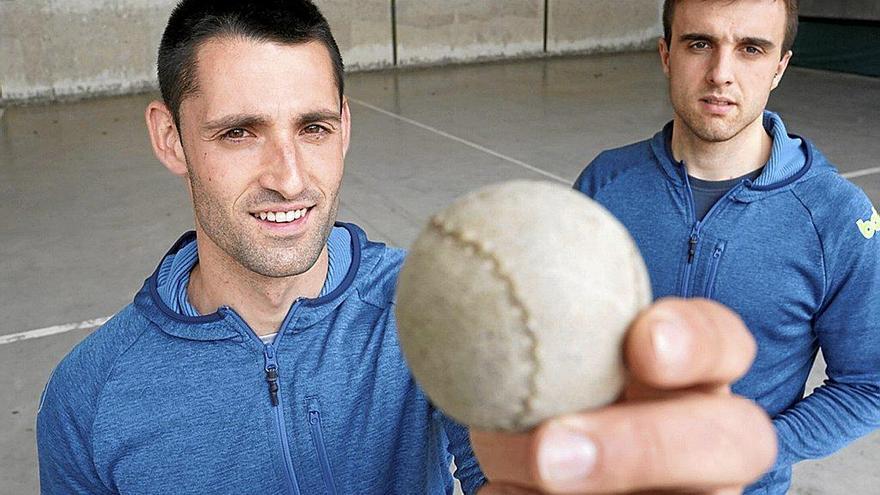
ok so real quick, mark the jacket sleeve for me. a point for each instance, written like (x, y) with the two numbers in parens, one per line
(589, 181)
(847, 327)
(64, 421)
(467, 469)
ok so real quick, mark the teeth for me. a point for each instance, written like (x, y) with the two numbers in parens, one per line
(282, 216)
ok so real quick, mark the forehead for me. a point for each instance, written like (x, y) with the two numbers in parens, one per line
(239, 75)
(735, 18)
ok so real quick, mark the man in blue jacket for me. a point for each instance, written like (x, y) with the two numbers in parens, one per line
(725, 204)
(261, 356)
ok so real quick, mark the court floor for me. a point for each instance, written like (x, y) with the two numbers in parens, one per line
(87, 211)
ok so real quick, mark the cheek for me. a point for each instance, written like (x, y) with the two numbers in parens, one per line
(222, 179)
(686, 77)
(326, 165)
(758, 85)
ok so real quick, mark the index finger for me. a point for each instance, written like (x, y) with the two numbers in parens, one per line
(680, 343)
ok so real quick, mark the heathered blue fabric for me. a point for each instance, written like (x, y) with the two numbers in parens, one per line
(155, 402)
(173, 279)
(786, 254)
(174, 271)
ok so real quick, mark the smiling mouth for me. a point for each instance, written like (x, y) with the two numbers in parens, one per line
(281, 216)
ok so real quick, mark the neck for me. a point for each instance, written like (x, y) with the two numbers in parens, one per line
(263, 302)
(744, 153)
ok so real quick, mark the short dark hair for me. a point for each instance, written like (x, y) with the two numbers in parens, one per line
(194, 22)
(791, 24)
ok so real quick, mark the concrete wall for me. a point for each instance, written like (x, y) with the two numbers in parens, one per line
(461, 30)
(362, 29)
(599, 25)
(62, 49)
(56, 49)
(865, 10)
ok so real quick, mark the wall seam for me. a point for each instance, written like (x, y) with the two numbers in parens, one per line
(394, 32)
(546, 23)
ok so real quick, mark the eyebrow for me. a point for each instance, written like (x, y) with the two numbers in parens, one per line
(759, 42)
(235, 120)
(748, 40)
(327, 115)
(253, 120)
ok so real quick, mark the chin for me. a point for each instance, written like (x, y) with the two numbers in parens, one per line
(714, 130)
(716, 135)
(280, 267)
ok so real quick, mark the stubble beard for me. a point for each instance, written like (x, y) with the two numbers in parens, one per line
(274, 258)
(708, 129)
(704, 128)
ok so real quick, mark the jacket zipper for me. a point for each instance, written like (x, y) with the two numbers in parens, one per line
(693, 241)
(713, 269)
(318, 437)
(694, 238)
(271, 370)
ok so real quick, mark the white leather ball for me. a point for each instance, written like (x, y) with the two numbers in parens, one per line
(513, 303)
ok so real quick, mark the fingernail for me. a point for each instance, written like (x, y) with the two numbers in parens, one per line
(565, 455)
(670, 343)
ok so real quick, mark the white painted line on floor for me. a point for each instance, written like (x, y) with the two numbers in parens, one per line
(462, 141)
(861, 173)
(45, 332)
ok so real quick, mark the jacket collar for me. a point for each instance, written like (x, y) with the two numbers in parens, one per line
(790, 159)
(217, 325)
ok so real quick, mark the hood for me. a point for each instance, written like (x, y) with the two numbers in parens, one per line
(215, 326)
(791, 158)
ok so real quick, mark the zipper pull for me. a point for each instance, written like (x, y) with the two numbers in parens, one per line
(272, 380)
(272, 374)
(692, 248)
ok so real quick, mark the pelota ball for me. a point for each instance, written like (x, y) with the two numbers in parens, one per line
(513, 303)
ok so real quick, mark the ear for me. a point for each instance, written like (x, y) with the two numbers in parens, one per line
(780, 69)
(165, 138)
(663, 48)
(346, 126)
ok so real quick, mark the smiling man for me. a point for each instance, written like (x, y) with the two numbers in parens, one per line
(726, 205)
(262, 357)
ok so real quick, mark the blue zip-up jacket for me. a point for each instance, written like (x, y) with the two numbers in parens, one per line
(793, 253)
(156, 402)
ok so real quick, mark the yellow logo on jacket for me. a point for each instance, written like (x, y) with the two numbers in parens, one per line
(871, 226)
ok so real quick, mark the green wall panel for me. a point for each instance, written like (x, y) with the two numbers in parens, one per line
(838, 45)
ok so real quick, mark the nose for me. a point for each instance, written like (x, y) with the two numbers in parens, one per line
(720, 71)
(283, 170)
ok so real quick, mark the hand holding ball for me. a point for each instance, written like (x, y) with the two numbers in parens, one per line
(513, 303)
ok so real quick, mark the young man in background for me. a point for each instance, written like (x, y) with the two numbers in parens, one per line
(725, 204)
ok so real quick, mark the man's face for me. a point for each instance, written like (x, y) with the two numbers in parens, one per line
(723, 60)
(264, 141)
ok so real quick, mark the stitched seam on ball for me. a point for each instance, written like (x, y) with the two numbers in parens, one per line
(526, 402)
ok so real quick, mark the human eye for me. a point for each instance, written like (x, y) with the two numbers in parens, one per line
(235, 135)
(316, 131)
(699, 45)
(753, 50)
